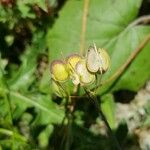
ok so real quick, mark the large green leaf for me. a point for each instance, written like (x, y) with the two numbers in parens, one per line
(109, 26)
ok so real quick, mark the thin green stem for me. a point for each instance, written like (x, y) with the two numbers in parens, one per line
(102, 116)
(68, 115)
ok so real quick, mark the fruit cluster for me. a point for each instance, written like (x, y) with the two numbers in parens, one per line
(81, 70)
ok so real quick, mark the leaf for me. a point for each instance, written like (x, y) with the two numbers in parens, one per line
(110, 25)
(137, 73)
(65, 34)
(108, 108)
(24, 77)
(51, 113)
(44, 136)
(44, 85)
(25, 9)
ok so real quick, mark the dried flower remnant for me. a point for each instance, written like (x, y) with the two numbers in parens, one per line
(59, 71)
(97, 60)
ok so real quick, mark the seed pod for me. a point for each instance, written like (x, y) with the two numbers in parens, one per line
(59, 71)
(58, 90)
(75, 78)
(105, 59)
(97, 60)
(72, 60)
(85, 76)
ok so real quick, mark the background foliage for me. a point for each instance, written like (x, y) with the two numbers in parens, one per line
(35, 32)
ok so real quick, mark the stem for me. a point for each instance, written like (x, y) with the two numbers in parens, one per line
(69, 107)
(84, 22)
(68, 140)
(141, 20)
(102, 116)
(69, 114)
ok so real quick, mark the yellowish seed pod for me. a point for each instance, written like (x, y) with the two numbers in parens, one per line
(72, 60)
(105, 59)
(85, 76)
(59, 71)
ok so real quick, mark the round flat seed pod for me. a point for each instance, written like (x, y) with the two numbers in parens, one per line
(85, 76)
(92, 60)
(72, 60)
(105, 60)
(59, 71)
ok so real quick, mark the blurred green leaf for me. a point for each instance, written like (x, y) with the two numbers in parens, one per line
(50, 112)
(44, 84)
(138, 72)
(44, 136)
(25, 76)
(108, 108)
(25, 8)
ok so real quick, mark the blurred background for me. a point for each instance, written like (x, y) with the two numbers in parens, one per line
(35, 32)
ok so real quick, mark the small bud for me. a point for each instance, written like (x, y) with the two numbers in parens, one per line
(97, 60)
(59, 71)
(85, 76)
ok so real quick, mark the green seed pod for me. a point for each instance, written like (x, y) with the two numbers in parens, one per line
(97, 60)
(59, 71)
(84, 75)
(58, 89)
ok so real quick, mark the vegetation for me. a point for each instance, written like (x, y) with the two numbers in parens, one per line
(34, 33)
